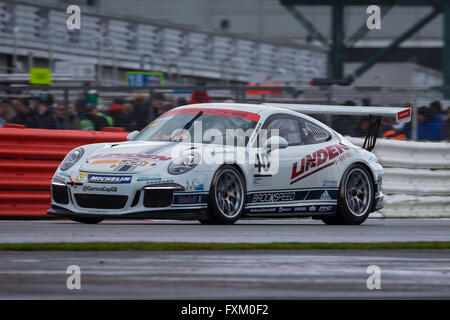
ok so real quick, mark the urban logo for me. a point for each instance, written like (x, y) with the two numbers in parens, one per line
(73, 22)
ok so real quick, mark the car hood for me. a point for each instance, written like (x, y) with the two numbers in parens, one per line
(128, 157)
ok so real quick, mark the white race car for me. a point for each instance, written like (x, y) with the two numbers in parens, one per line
(218, 162)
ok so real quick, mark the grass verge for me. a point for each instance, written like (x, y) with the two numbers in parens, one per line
(176, 246)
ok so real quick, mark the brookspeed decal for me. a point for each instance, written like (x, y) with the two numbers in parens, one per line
(319, 160)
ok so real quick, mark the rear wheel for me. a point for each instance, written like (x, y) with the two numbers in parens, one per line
(226, 196)
(87, 220)
(356, 197)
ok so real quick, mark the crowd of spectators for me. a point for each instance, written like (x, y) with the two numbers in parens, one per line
(41, 111)
(433, 124)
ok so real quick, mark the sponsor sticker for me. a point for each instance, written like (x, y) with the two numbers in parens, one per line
(317, 161)
(81, 177)
(98, 178)
(188, 199)
(404, 114)
(99, 189)
(65, 175)
(195, 184)
(273, 197)
(329, 183)
(130, 156)
(219, 112)
(325, 196)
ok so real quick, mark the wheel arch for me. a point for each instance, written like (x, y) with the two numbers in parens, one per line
(372, 175)
(238, 168)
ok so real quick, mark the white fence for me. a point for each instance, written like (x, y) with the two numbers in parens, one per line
(417, 177)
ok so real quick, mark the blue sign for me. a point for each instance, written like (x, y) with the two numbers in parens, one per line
(144, 79)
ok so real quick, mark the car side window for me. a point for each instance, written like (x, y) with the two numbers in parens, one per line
(312, 134)
(288, 128)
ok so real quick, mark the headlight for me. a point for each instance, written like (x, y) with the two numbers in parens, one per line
(71, 158)
(184, 164)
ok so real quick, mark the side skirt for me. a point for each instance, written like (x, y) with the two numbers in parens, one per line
(292, 211)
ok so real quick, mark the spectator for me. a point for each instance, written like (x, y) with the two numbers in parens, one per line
(92, 120)
(109, 119)
(448, 123)
(7, 112)
(199, 96)
(436, 109)
(343, 124)
(428, 127)
(35, 100)
(44, 117)
(140, 115)
(180, 102)
(24, 115)
(117, 112)
(59, 119)
(158, 104)
(129, 111)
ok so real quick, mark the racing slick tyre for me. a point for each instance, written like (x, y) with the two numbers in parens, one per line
(226, 196)
(87, 220)
(356, 197)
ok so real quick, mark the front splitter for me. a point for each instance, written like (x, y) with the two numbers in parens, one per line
(169, 214)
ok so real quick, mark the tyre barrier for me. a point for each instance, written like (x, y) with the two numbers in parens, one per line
(416, 180)
(28, 160)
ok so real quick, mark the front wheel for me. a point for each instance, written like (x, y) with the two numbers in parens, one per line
(87, 220)
(356, 197)
(226, 196)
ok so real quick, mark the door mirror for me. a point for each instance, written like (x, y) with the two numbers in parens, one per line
(132, 135)
(276, 142)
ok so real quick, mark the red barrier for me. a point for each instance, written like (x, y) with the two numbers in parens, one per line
(28, 160)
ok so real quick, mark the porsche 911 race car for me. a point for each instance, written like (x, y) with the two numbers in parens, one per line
(218, 162)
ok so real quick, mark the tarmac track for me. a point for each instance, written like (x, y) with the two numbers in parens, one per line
(286, 274)
(254, 231)
(282, 274)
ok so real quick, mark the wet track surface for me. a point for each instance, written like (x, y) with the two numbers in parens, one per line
(257, 231)
(288, 274)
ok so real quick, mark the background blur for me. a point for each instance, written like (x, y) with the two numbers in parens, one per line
(133, 60)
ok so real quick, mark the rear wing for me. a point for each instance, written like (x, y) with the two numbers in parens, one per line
(398, 114)
(375, 114)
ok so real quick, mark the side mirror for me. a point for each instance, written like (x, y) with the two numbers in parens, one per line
(276, 142)
(132, 135)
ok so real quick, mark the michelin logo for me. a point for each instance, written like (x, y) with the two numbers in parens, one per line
(92, 178)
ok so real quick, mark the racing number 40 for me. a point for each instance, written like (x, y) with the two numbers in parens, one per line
(262, 163)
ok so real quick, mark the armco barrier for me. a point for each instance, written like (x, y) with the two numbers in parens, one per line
(417, 177)
(28, 159)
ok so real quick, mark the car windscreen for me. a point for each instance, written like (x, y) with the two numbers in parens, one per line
(212, 124)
